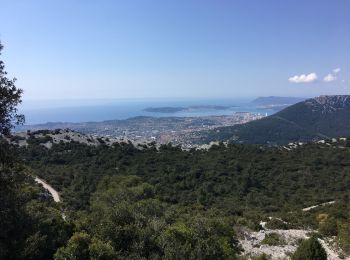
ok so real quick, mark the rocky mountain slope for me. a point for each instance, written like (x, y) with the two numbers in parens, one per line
(313, 119)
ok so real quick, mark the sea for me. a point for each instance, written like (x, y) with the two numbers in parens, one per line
(75, 111)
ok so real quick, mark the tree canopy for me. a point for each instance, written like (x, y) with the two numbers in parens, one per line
(10, 97)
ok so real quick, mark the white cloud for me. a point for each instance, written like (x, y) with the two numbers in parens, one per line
(336, 71)
(303, 78)
(332, 76)
(329, 78)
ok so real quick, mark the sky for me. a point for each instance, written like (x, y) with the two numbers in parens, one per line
(130, 49)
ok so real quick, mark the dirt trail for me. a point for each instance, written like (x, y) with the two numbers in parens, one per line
(315, 206)
(54, 193)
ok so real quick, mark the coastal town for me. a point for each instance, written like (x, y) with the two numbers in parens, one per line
(163, 130)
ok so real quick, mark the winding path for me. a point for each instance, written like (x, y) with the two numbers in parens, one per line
(318, 205)
(54, 193)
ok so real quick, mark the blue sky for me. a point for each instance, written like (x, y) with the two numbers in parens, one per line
(71, 49)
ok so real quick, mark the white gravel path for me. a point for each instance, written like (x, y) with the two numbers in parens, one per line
(54, 193)
(315, 206)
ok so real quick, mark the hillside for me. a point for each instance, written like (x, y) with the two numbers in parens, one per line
(313, 119)
(159, 199)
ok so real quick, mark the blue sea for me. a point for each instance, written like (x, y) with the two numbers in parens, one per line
(43, 111)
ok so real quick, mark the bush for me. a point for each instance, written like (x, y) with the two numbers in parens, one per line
(16, 138)
(328, 228)
(344, 237)
(260, 257)
(310, 249)
(277, 224)
(273, 239)
(39, 140)
(82, 246)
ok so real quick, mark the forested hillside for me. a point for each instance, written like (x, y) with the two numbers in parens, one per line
(169, 203)
(296, 178)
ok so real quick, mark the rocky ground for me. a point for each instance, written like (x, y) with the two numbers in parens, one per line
(49, 137)
(253, 243)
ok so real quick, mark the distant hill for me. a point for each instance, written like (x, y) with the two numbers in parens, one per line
(312, 119)
(273, 100)
(276, 103)
(190, 108)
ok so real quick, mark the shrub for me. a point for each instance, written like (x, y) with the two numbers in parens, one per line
(273, 239)
(344, 237)
(277, 224)
(310, 249)
(328, 228)
(260, 257)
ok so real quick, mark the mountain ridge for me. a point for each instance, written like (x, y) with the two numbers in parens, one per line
(312, 119)
(276, 100)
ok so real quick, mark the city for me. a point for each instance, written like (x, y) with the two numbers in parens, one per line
(163, 130)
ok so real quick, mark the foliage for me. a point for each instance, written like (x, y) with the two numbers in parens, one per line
(223, 177)
(344, 237)
(261, 257)
(273, 239)
(39, 140)
(275, 223)
(328, 227)
(10, 97)
(310, 249)
(31, 226)
(125, 212)
(81, 246)
(154, 203)
(127, 203)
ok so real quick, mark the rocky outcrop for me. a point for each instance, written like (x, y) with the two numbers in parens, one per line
(329, 104)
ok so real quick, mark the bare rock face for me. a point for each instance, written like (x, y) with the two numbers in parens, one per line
(48, 138)
(329, 104)
(253, 244)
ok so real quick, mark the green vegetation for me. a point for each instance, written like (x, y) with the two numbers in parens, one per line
(310, 249)
(39, 140)
(236, 179)
(261, 257)
(10, 97)
(168, 203)
(120, 202)
(275, 223)
(31, 225)
(125, 220)
(273, 239)
(344, 236)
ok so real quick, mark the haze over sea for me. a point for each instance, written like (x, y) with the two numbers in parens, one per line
(43, 111)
